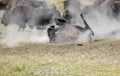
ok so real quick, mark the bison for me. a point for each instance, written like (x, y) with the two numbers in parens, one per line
(112, 7)
(67, 32)
(109, 8)
(43, 16)
(18, 15)
(71, 10)
(10, 4)
(33, 17)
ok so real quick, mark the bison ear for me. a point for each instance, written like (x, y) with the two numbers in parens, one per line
(60, 21)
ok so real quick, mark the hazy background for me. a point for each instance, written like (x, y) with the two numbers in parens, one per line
(98, 58)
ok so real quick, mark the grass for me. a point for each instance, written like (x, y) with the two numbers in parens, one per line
(99, 58)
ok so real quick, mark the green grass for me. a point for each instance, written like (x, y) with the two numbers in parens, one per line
(99, 58)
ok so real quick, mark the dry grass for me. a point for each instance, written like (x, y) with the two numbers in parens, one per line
(99, 58)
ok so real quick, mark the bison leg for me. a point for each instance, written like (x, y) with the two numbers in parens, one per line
(22, 27)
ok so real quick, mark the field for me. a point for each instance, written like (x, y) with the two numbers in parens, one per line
(98, 58)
